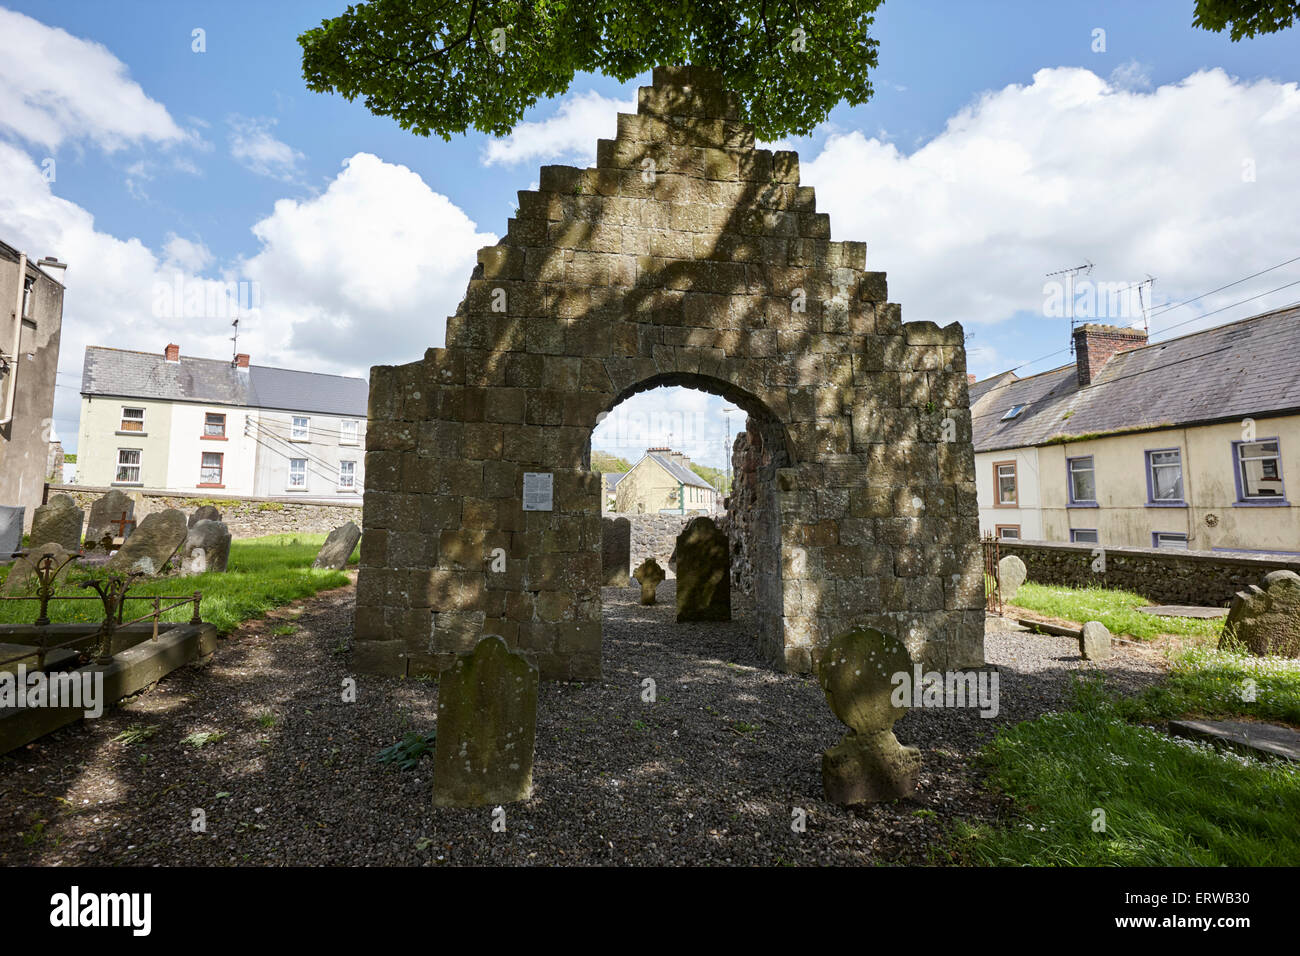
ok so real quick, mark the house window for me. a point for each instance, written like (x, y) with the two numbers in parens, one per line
(28, 284)
(299, 431)
(128, 466)
(210, 468)
(1165, 475)
(1083, 482)
(214, 425)
(297, 472)
(1004, 473)
(132, 420)
(348, 431)
(1259, 470)
(1010, 532)
(1083, 535)
(1169, 539)
(348, 474)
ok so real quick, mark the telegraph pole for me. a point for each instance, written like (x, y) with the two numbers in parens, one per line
(726, 452)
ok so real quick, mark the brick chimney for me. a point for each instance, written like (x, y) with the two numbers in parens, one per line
(970, 378)
(241, 360)
(172, 353)
(1094, 345)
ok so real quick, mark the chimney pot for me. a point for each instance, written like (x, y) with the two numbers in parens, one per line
(173, 352)
(1095, 345)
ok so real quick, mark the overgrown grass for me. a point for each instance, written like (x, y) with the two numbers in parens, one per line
(263, 573)
(1206, 682)
(1166, 801)
(1116, 609)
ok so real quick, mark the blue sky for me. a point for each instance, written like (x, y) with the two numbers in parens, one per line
(999, 146)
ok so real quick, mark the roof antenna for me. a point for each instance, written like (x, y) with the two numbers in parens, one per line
(234, 353)
(1148, 282)
(1069, 274)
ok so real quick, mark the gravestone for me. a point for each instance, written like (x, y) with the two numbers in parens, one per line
(1266, 620)
(159, 536)
(206, 548)
(60, 521)
(857, 672)
(11, 531)
(1011, 574)
(338, 547)
(649, 575)
(204, 513)
(487, 721)
(106, 516)
(703, 572)
(22, 576)
(1094, 641)
(616, 551)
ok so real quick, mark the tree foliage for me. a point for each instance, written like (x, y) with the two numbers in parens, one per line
(1246, 18)
(444, 67)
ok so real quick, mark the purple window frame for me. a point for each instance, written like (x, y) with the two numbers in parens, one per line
(1069, 484)
(1244, 502)
(1151, 499)
(1073, 540)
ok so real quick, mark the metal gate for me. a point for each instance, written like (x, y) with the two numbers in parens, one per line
(992, 584)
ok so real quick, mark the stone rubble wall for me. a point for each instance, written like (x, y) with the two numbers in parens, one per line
(1163, 576)
(245, 517)
(653, 536)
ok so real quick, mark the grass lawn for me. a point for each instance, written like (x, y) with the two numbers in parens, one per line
(1167, 802)
(1116, 609)
(263, 573)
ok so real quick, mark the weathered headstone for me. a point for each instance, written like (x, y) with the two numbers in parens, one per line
(1094, 641)
(616, 551)
(487, 722)
(206, 548)
(152, 544)
(11, 531)
(22, 576)
(59, 520)
(106, 516)
(338, 547)
(857, 671)
(1011, 574)
(649, 575)
(1266, 620)
(703, 572)
(204, 513)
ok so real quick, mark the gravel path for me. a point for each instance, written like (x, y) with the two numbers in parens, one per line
(708, 774)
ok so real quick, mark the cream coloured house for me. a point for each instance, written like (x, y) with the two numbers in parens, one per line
(1186, 443)
(662, 482)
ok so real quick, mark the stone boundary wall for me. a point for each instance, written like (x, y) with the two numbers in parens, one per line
(653, 536)
(246, 517)
(1163, 575)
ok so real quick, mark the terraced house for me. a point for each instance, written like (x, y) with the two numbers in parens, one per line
(1186, 443)
(161, 421)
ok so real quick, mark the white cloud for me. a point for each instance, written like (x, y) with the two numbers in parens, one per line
(1032, 179)
(58, 87)
(253, 146)
(570, 135)
(363, 274)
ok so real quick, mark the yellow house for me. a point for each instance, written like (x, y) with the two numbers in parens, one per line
(663, 482)
(1186, 443)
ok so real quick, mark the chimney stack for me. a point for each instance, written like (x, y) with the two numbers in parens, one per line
(1094, 345)
(970, 378)
(172, 353)
(241, 360)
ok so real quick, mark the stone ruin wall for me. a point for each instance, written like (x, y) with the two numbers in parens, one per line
(676, 260)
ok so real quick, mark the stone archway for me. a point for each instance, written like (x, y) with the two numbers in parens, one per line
(685, 254)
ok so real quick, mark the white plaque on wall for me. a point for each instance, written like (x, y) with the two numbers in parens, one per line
(537, 491)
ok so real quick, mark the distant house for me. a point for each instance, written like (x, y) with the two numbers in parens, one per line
(663, 482)
(1185, 443)
(166, 422)
(32, 297)
(608, 483)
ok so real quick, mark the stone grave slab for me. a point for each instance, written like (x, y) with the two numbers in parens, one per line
(338, 547)
(616, 551)
(1273, 740)
(703, 572)
(60, 521)
(159, 536)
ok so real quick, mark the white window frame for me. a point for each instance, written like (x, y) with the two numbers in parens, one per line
(1177, 539)
(306, 428)
(351, 483)
(124, 419)
(354, 426)
(289, 482)
(1070, 471)
(1241, 468)
(206, 425)
(1075, 532)
(138, 465)
(1151, 473)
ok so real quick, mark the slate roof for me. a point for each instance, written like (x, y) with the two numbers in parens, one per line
(612, 479)
(679, 472)
(130, 374)
(1234, 371)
